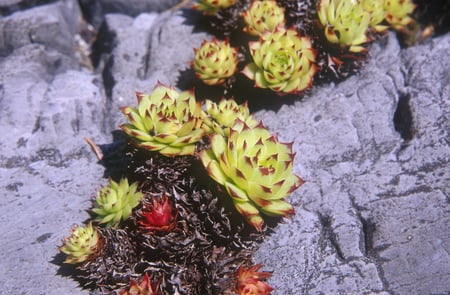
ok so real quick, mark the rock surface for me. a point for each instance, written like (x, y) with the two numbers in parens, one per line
(372, 218)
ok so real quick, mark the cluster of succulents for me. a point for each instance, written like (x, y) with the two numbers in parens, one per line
(203, 183)
(287, 46)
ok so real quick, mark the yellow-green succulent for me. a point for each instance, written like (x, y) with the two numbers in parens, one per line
(219, 118)
(263, 16)
(83, 244)
(116, 201)
(283, 61)
(377, 13)
(345, 22)
(215, 61)
(210, 7)
(165, 121)
(255, 169)
(398, 13)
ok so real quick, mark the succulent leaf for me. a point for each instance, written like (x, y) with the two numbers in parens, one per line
(251, 281)
(263, 16)
(210, 7)
(219, 118)
(398, 13)
(83, 244)
(159, 215)
(377, 13)
(165, 121)
(345, 22)
(215, 61)
(255, 169)
(116, 201)
(283, 61)
(146, 287)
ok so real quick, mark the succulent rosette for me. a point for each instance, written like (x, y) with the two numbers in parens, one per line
(283, 61)
(263, 16)
(251, 281)
(165, 121)
(377, 14)
(215, 61)
(145, 287)
(345, 22)
(255, 169)
(221, 117)
(398, 12)
(116, 201)
(83, 244)
(159, 215)
(210, 7)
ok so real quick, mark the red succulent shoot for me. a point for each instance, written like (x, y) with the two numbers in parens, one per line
(251, 281)
(159, 215)
(144, 288)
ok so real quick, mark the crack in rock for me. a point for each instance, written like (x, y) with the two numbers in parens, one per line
(403, 120)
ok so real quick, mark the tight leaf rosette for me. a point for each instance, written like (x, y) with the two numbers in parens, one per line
(251, 281)
(398, 13)
(255, 169)
(377, 14)
(345, 23)
(215, 61)
(283, 61)
(145, 287)
(263, 16)
(116, 201)
(165, 121)
(83, 244)
(159, 215)
(219, 118)
(210, 7)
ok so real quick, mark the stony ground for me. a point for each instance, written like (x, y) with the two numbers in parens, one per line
(372, 218)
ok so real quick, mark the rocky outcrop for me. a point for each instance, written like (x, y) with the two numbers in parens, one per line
(372, 217)
(373, 151)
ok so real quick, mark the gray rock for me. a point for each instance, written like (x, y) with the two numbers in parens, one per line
(48, 174)
(47, 107)
(10, 6)
(25, 78)
(145, 52)
(126, 66)
(95, 10)
(52, 25)
(135, 7)
(384, 199)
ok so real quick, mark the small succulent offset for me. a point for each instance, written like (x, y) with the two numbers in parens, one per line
(397, 13)
(159, 215)
(146, 287)
(115, 202)
(210, 7)
(219, 118)
(83, 244)
(255, 169)
(165, 121)
(263, 16)
(283, 61)
(251, 281)
(345, 22)
(215, 61)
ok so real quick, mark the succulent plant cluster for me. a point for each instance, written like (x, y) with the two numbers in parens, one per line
(203, 184)
(287, 46)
